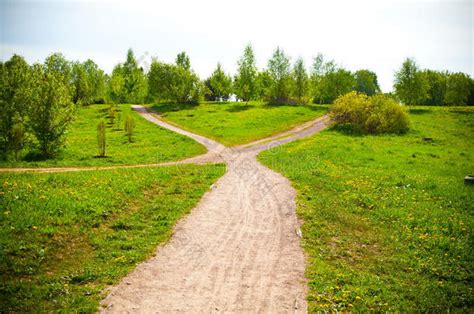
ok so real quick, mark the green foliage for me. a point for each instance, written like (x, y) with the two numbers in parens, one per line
(89, 83)
(377, 114)
(263, 83)
(65, 237)
(300, 82)
(101, 138)
(112, 113)
(18, 139)
(366, 82)
(411, 86)
(50, 107)
(220, 84)
(129, 127)
(235, 123)
(183, 61)
(128, 83)
(387, 220)
(329, 81)
(457, 89)
(436, 92)
(169, 82)
(151, 143)
(279, 70)
(13, 77)
(245, 86)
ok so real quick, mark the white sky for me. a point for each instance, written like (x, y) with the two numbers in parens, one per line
(377, 35)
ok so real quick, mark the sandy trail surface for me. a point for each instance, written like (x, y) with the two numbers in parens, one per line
(238, 250)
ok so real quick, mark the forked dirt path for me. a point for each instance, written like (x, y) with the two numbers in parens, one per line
(238, 250)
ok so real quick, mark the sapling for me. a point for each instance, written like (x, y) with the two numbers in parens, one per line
(101, 138)
(129, 126)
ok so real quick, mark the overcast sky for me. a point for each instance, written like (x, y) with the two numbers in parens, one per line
(376, 35)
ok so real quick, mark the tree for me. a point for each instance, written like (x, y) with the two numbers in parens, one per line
(458, 87)
(279, 70)
(300, 79)
(101, 138)
(328, 81)
(366, 82)
(244, 81)
(182, 60)
(436, 82)
(411, 87)
(169, 82)
(129, 127)
(13, 78)
(128, 82)
(263, 84)
(50, 103)
(220, 83)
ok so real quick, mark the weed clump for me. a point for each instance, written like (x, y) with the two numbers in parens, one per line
(359, 113)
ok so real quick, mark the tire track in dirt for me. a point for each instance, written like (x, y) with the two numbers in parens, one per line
(237, 251)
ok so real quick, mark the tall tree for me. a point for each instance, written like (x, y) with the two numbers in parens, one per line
(279, 70)
(300, 79)
(13, 77)
(50, 103)
(128, 82)
(220, 83)
(457, 89)
(244, 82)
(410, 84)
(366, 82)
(169, 82)
(436, 91)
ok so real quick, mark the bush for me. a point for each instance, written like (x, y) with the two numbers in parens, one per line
(101, 138)
(359, 113)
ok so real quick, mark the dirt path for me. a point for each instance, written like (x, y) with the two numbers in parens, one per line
(238, 250)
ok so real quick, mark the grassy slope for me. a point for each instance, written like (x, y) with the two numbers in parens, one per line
(150, 142)
(388, 222)
(64, 237)
(237, 123)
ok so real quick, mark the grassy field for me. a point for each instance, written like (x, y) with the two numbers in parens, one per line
(150, 144)
(388, 221)
(237, 123)
(64, 237)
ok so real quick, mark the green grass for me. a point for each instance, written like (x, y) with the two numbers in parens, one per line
(237, 123)
(150, 144)
(64, 237)
(388, 221)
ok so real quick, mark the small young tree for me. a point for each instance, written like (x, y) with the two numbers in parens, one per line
(119, 117)
(182, 60)
(101, 138)
(129, 128)
(112, 114)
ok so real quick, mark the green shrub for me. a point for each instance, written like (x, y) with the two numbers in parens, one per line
(359, 113)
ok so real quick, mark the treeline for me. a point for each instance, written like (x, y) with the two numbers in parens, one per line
(432, 88)
(39, 101)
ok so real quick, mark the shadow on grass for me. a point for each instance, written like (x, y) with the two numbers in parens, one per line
(419, 111)
(239, 107)
(170, 107)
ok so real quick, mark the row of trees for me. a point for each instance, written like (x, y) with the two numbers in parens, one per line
(282, 82)
(433, 88)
